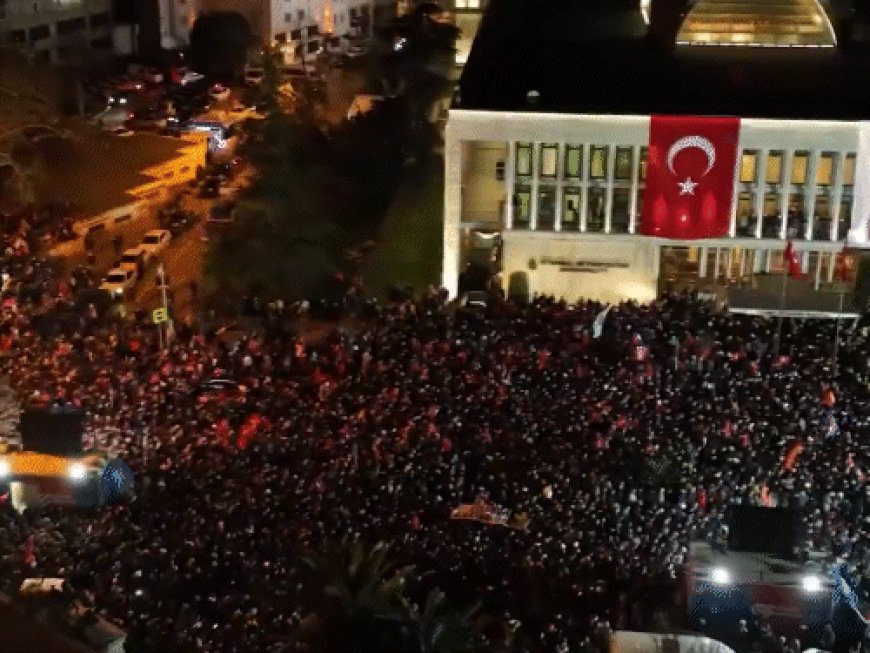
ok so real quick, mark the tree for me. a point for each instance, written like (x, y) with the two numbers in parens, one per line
(219, 43)
(360, 604)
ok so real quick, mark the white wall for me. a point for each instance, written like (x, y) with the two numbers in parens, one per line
(613, 283)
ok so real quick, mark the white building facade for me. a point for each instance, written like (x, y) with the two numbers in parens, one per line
(57, 29)
(562, 194)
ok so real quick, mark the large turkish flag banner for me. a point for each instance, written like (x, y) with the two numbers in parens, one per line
(690, 176)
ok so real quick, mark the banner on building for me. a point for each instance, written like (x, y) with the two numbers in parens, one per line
(690, 177)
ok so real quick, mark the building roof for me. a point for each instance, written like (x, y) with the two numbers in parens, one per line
(586, 56)
(96, 171)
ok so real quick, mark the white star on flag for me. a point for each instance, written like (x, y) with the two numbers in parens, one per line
(687, 187)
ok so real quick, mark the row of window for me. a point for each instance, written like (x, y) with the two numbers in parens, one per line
(749, 224)
(623, 168)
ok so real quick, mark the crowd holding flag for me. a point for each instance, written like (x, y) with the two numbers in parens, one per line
(598, 324)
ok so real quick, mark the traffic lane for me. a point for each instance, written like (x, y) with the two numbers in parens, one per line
(182, 260)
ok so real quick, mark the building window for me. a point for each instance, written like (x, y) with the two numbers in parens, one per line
(38, 33)
(745, 214)
(598, 162)
(621, 209)
(622, 168)
(797, 217)
(281, 37)
(546, 208)
(288, 18)
(313, 46)
(300, 15)
(771, 220)
(849, 170)
(595, 211)
(748, 165)
(549, 157)
(524, 159)
(639, 220)
(825, 169)
(571, 209)
(822, 218)
(295, 35)
(844, 218)
(522, 207)
(314, 30)
(773, 174)
(644, 161)
(799, 168)
(573, 161)
(100, 19)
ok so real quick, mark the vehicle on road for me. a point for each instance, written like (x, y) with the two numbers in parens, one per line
(356, 51)
(184, 76)
(120, 131)
(128, 84)
(221, 212)
(219, 92)
(152, 76)
(119, 282)
(211, 187)
(133, 259)
(154, 242)
(254, 76)
(112, 117)
(177, 222)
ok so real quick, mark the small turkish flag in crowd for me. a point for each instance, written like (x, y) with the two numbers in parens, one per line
(845, 264)
(793, 266)
(690, 176)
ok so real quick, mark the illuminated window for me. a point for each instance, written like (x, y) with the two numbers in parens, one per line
(546, 208)
(799, 167)
(571, 209)
(573, 161)
(595, 210)
(524, 159)
(598, 163)
(549, 158)
(623, 163)
(644, 160)
(773, 174)
(748, 165)
(849, 170)
(825, 169)
(522, 207)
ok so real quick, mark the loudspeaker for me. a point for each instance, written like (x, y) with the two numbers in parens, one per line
(55, 430)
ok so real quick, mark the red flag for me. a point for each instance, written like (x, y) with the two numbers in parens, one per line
(791, 455)
(30, 552)
(792, 264)
(690, 176)
(845, 264)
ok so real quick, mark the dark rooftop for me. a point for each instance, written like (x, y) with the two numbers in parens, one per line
(592, 56)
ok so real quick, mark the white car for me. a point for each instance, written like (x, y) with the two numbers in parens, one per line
(356, 51)
(118, 282)
(219, 92)
(120, 131)
(154, 242)
(254, 76)
(133, 259)
(184, 76)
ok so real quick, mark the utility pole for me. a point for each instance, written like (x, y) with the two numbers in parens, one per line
(164, 286)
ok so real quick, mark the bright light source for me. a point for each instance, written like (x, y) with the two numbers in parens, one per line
(720, 576)
(811, 584)
(5, 468)
(400, 44)
(77, 471)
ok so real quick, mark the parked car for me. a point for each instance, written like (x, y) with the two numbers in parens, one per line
(128, 84)
(133, 259)
(119, 282)
(219, 92)
(112, 117)
(211, 187)
(152, 76)
(221, 212)
(178, 222)
(184, 76)
(254, 76)
(120, 131)
(155, 241)
(356, 51)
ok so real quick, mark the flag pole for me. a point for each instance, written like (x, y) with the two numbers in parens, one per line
(836, 355)
(781, 306)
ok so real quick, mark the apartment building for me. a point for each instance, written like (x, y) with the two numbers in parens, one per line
(56, 30)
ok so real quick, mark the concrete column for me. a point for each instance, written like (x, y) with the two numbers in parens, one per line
(810, 193)
(510, 166)
(536, 181)
(559, 186)
(785, 190)
(702, 263)
(837, 194)
(584, 187)
(761, 185)
(818, 277)
(716, 264)
(608, 198)
(861, 193)
(735, 197)
(635, 185)
(832, 265)
(767, 259)
(452, 212)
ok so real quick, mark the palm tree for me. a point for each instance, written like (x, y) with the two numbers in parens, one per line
(360, 605)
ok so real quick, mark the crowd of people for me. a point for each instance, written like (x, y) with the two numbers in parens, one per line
(620, 450)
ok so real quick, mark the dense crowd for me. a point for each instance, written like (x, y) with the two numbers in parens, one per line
(621, 450)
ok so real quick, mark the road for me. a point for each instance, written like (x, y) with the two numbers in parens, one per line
(182, 259)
